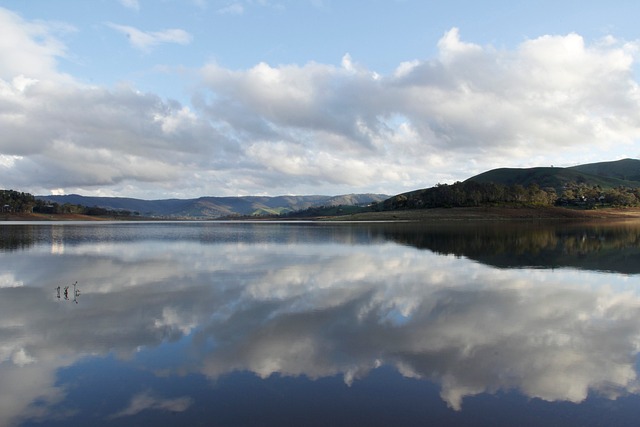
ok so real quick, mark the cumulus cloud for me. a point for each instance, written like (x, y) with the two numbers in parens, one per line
(313, 128)
(547, 92)
(147, 40)
(551, 93)
(101, 137)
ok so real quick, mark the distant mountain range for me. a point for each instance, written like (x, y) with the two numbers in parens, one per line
(216, 207)
(605, 175)
(625, 173)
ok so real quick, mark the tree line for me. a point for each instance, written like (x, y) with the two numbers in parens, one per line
(473, 194)
(18, 202)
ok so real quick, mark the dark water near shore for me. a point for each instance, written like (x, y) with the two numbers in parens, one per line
(227, 324)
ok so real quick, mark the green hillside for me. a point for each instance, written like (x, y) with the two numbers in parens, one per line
(625, 173)
(625, 169)
(598, 184)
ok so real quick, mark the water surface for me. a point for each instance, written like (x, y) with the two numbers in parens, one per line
(319, 324)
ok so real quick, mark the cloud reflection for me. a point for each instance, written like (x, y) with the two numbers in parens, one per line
(146, 401)
(315, 310)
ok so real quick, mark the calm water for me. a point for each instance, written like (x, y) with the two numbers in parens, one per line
(229, 324)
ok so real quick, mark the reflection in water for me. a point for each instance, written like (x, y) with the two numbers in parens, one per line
(603, 246)
(65, 291)
(314, 301)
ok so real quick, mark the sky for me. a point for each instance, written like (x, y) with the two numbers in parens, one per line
(187, 98)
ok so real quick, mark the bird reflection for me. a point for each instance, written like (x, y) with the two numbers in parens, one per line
(65, 292)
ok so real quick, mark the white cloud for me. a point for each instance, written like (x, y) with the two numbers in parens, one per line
(314, 128)
(552, 93)
(482, 99)
(29, 48)
(452, 48)
(147, 40)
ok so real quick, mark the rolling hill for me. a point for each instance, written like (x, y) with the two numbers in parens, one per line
(215, 207)
(607, 183)
(625, 169)
(614, 174)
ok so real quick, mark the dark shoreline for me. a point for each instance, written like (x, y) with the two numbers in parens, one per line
(64, 217)
(495, 214)
(413, 215)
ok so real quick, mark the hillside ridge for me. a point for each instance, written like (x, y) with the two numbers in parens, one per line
(611, 174)
(211, 207)
(601, 186)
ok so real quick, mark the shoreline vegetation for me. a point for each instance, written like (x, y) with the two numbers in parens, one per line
(410, 215)
(4, 217)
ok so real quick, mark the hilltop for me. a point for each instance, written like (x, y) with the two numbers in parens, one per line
(605, 175)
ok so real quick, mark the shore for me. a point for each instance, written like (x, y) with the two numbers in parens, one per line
(50, 217)
(495, 214)
(437, 214)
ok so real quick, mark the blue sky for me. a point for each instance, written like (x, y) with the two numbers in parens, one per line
(168, 98)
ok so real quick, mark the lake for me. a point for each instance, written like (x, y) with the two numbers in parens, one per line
(318, 324)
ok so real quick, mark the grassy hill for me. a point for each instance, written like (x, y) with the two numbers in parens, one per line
(625, 173)
(599, 184)
(625, 169)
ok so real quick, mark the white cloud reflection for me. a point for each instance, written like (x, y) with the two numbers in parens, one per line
(316, 310)
(146, 401)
